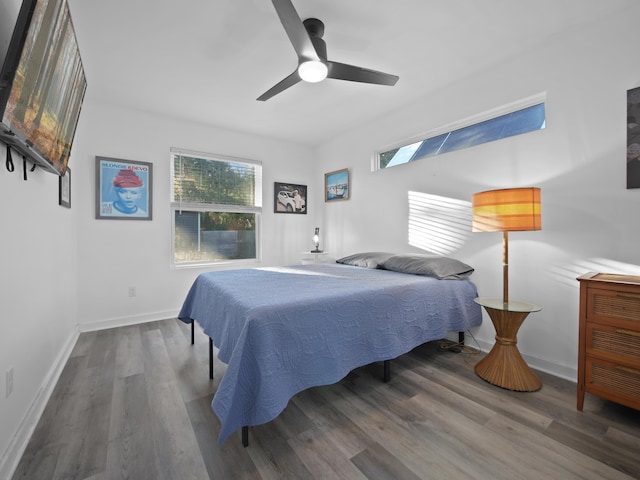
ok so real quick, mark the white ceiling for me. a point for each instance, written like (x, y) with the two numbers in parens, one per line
(208, 60)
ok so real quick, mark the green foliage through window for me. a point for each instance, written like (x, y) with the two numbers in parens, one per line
(216, 205)
(201, 180)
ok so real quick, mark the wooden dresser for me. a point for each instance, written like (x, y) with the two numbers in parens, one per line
(609, 349)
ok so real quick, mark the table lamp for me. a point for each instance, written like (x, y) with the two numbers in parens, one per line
(316, 241)
(506, 210)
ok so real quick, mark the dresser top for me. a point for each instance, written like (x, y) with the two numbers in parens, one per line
(611, 277)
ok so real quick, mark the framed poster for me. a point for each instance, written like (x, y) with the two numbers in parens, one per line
(289, 198)
(123, 189)
(336, 185)
(64, 189)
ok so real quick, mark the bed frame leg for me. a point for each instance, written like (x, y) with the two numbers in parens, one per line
(461, 338)
(210, 358)
(193, 322)
(245, 436)
(387, 370)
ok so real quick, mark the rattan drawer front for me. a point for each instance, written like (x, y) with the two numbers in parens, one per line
(613, 378)
(607, 303)
(611, 340)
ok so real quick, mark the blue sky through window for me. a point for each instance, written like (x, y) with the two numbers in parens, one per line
(515, 123)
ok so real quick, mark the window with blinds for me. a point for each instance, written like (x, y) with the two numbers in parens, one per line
(216, 202)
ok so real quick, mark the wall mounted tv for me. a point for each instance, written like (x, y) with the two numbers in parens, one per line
(42, 84)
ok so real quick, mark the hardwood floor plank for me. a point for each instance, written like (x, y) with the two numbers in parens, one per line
(38, 463)
(485, 448)
(230, 460)
(532, 408)
(323, 457)
(129, 359)
(85, 452)
(130, 451)
(176, 449)
(378, 464)
(381, 424)
(293, 420)
(325, 416)
(595, 449)
(476, 399)
(190, 372)
(622, 440)
(273, 457)
(551, 454)
(84, 344)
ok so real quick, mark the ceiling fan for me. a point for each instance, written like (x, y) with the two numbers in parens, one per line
(313, 65)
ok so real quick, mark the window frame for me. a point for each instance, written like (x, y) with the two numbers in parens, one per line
(537, 99)
(177, 206)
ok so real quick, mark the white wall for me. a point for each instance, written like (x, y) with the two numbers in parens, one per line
(115, 255)
(37, 297)
(589, 218)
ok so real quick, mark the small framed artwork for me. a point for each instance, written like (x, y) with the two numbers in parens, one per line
(336, 185)
(123, 189)
(64, 189)
(289, 198)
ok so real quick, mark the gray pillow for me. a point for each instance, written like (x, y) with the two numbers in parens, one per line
(444, 268)
(365, 259)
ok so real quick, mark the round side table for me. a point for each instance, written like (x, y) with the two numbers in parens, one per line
(504, 366)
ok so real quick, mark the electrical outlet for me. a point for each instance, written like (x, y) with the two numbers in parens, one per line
(9, 382)
(132, 291)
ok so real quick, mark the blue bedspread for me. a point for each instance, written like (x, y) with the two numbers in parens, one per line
(282, 330)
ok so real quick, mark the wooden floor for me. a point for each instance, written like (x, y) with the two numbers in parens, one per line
(135, 403)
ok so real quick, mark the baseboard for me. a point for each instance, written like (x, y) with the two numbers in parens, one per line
(20, 439)
(126, 321)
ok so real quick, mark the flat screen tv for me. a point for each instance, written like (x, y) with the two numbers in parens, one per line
(42, 84)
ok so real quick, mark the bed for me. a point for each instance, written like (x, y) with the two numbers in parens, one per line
(282, 330)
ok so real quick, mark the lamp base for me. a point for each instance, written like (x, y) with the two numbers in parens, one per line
(316, 251)
(504, 366)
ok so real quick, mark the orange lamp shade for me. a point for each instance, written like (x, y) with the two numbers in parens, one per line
(507, 210)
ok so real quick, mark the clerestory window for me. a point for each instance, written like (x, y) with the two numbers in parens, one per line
(492, 127)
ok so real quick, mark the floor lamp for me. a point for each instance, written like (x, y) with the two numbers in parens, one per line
(507, 210)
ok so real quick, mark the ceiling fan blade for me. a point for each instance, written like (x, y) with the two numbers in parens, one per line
(295, 29)
(342, 71)
(280, 86)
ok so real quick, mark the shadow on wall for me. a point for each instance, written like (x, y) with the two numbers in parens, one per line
(568, 273)
(438, 224)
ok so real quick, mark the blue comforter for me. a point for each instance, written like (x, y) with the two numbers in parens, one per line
(282, 330)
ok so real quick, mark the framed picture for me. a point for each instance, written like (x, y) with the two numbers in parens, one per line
(64, 189)
(123, 189)
(336, 185)
(633, 138)
(289, 198)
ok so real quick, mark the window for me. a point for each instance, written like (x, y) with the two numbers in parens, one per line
(216, 202)
(521, 119)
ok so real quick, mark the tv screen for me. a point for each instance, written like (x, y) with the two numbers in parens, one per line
(42, 85)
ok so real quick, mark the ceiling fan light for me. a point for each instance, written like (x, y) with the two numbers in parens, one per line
(312, 71)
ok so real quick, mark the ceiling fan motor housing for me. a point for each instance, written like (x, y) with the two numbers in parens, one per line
(315, 28)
